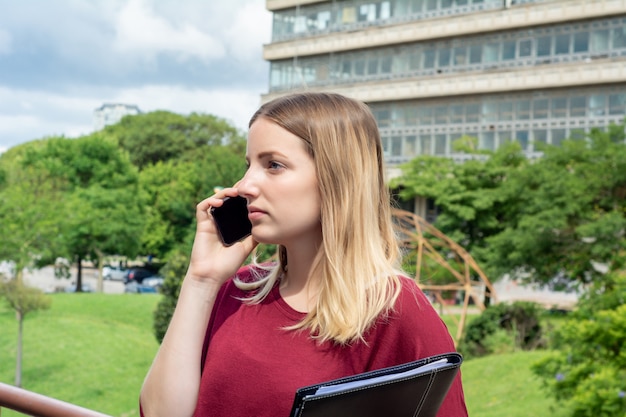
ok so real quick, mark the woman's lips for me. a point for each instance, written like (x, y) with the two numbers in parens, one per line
(255, 213)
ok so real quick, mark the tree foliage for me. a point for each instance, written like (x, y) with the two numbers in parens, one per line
(29, 215)
(70, 198)
(102, 206)
(469, 194)
(161, 136)
(570, 212)
(587, 369)
(560, 218)
(174, 188)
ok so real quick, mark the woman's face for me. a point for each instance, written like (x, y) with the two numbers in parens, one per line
(281, 187)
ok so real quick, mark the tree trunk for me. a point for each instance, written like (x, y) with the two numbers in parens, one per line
(100, 264)
(18, 362)
(487, 300)
(79, 274)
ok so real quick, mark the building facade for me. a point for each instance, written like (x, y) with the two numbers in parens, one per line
(531, 71)
(111, 113)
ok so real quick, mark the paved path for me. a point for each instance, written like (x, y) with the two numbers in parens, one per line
(506, 290)
(45, 280)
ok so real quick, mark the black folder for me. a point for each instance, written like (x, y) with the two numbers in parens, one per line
(413, 389)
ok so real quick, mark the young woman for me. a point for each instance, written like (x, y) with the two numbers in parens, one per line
(243, 339)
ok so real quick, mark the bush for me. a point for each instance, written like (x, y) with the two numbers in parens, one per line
(173, 273)
(588, 369)
(503, 327)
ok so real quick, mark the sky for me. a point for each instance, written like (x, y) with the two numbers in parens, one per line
(62, 59)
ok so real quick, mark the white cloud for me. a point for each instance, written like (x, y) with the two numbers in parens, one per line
(33, 115)
(234, 105)
(251, 28)
(29, 115)
(140, 31)
(201, 56)
(5, 42)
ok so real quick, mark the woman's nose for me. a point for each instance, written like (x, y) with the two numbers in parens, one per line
(246, 185)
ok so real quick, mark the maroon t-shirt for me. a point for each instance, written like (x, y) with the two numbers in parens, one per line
(252, 367)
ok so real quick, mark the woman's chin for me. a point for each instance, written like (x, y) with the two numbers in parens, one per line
(264, 239)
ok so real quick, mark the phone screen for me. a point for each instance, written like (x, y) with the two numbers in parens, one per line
(231, 220)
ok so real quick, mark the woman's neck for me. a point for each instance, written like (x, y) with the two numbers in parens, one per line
(299, 286)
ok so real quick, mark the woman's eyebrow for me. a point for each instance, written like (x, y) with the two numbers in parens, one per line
(270, 154)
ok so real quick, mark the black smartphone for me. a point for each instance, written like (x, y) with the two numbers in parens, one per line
(231, 220)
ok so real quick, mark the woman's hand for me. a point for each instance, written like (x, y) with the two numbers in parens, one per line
(211, 261)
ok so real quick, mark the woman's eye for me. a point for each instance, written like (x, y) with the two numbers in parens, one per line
(274, 165)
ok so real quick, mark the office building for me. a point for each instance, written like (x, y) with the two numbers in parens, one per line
(111, 113)
(434, 70)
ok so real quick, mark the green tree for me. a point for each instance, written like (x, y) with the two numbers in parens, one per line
(99, 211)
(23, 300)
(468, 193)
(175, 187)
(28, 210)
(569, 212)
(162, 136)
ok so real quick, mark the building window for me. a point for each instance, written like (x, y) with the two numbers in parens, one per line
(506, 111)
(596, 105)
(561, 44)
(444, 57)
(490, 112)
(558, 108)
(396, 145)
(525, 48)
(476, 52)
(581, 42)
(441, 115)
(487, 141)
(491, 52)
(426, 144)
(472, 113)
(617, 104)
(521, 136)
(429, 58)
(528, 118)
(558, 136)
(441, 147)
(522, 110)
(540, 109)
(578, 106)
(508, 50)
(540, 137)
(410, 146)
(619, 37)
(600, 40)
(425, 116)
(456, 113)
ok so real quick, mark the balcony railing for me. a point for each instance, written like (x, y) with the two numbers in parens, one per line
(37, 405)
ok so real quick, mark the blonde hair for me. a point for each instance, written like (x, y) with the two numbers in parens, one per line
(359, 259)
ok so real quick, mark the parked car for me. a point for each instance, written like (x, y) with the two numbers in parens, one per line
(72, 287)
(116, 273)
(148, 285)
(138, 274)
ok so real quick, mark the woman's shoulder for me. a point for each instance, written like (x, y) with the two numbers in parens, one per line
(409, 289)
(412, 304)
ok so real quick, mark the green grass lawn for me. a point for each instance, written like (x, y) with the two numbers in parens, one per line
(503, 385)
(94, 350)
